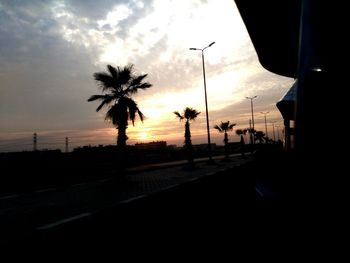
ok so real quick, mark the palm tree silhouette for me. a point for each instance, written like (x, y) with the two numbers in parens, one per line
(189, 114)
(259, 136)
(120, 84)
(242, 132)
(225, 127)
(251, 132)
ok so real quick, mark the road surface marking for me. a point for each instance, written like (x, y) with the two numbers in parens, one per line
(259, 192)
(46, 190)
(169, 187)
(7, 197)
(105, 180)
(192, 179)
(63, 221)
(132, 199)
(80, 184)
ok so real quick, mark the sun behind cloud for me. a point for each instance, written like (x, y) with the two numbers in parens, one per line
(143, 136)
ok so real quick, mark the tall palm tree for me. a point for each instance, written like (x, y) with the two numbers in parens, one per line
(189, 114)
(225, 127)
(119, 84)
(241, 133)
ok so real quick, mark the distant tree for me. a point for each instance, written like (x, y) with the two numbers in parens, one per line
(189, 114)
(259, 136)
(251, 132)
(120, 84)
(225, 127)
(241, 133)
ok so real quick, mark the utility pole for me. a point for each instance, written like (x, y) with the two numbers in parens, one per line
(265, 122)
(273, 130)
(251, 107)
(35, 141)
(67, 149)
(251, 137)
(278, 132)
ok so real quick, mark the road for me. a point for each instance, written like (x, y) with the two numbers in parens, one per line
(29, 214)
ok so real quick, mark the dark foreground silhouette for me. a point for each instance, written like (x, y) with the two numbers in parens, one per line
(222, 206)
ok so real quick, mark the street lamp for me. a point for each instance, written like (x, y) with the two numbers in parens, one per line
(205, 95)
(265, 122)
(273, 130)
(251, 106)
(278, 132)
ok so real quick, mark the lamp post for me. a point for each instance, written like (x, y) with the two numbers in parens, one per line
(251, 107)
(265, 122)
(273, 130)
(206, 102)
(278, 132)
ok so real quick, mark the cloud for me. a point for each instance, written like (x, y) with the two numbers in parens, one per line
(49, 51)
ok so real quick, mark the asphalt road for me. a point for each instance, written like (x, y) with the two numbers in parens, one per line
(172, 188)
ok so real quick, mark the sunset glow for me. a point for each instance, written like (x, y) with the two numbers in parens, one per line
(50, 51)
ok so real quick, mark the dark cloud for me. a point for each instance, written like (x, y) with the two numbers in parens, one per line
(137, 13)
(45, 80)
(92, 9)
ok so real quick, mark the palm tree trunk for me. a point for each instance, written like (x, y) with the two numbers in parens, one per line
(122, 153)
(226, 145)
(121, 140)
(188, 143)
(242, 145)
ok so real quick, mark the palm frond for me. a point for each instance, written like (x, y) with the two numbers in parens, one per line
(121, 84)
(125, 75)
(118, 115)
(132, 109)
(224, 125)
(136, 84)
(96, 97)
(108, 99)
(104, 81)
(230, 127)
(113, 71)
(141, 115)
(218, 128)
(239, 131)
(178, 115)
(190, 113)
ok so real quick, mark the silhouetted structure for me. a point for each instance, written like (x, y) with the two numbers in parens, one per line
(35, 142)
(265, 113)
(287, 108)
(151, 145)
(293, 38)
(66, 145)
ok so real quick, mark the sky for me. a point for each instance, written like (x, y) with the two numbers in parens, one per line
(49, 51)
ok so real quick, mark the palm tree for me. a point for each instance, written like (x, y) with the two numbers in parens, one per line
(189, 114)
(119, 84)
(251, 134)
(241, 132)
(225, 127)
(259, 136)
